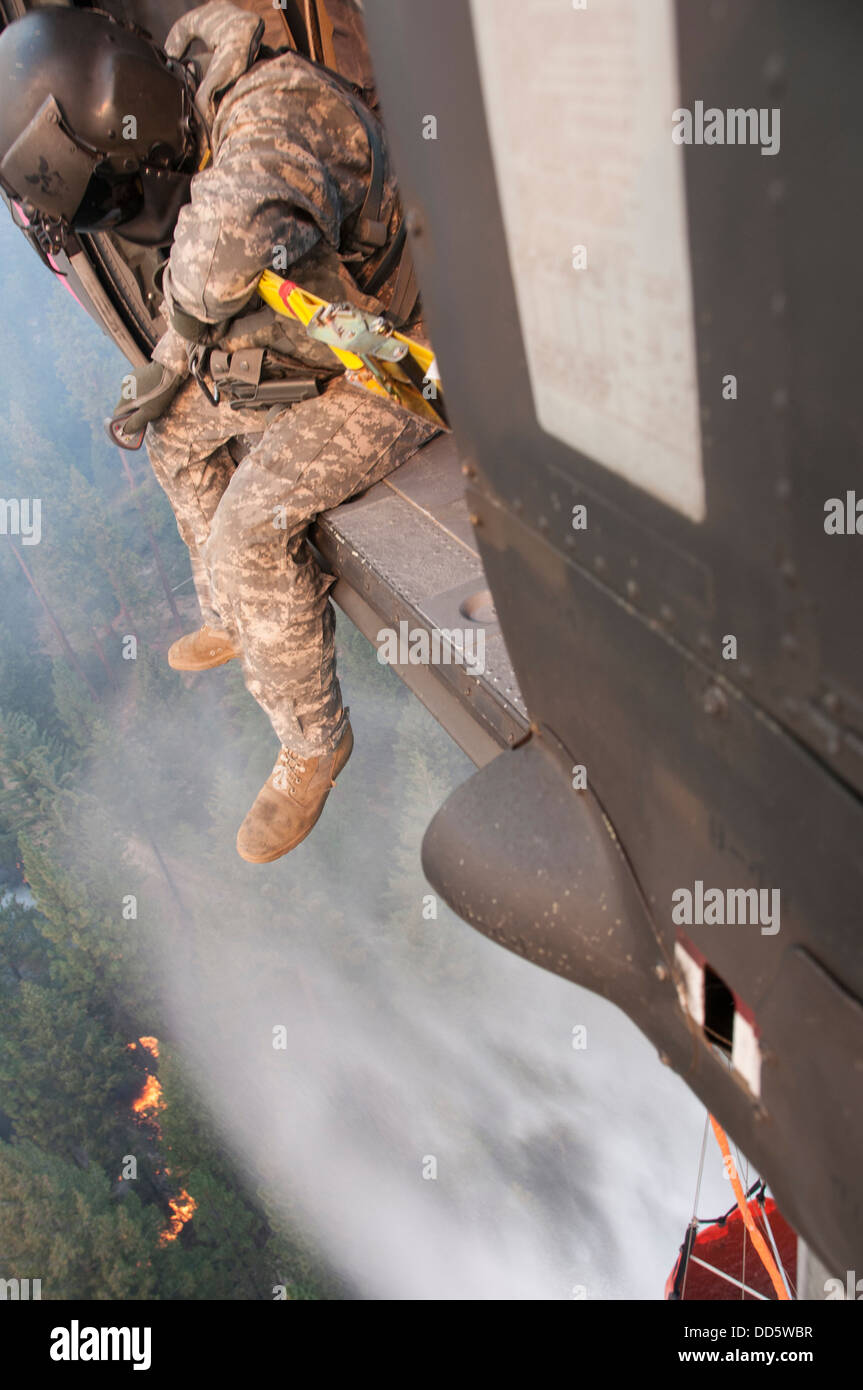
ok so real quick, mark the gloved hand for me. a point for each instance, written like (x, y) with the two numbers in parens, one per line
(154, 389)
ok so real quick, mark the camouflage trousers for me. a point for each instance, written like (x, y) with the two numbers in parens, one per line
(246, 524)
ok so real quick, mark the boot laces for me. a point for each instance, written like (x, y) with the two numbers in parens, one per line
(211, 634)
(289, 770)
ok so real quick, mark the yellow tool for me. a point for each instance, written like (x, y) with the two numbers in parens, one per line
(376, 356)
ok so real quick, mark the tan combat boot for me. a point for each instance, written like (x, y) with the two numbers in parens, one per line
(290, 802)
(202, 650)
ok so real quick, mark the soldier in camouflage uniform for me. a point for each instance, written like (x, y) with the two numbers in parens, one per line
(286, 149)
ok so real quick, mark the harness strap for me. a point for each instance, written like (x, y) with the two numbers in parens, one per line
(369, 228)
(406, 289)
(387, 263)
(370, 231)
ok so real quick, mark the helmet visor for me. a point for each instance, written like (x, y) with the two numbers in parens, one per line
(110, 200)
(46, 167)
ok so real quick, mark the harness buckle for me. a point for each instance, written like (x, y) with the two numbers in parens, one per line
(197, 366)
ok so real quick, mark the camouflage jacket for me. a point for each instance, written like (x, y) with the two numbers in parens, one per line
(288, 174)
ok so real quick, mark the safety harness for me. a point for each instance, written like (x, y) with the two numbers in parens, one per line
(369, 233)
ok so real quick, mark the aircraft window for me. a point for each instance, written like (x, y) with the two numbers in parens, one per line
(718, 1010)
(579, 105)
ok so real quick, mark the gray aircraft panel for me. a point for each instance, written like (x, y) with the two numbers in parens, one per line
(741, 773)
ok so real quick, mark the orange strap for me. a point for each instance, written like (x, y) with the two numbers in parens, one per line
(757, 1238)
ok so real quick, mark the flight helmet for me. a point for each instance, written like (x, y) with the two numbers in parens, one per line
(98, 129)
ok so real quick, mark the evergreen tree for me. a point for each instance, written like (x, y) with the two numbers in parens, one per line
(60, 1223)
(61, 1073)
(24, 952)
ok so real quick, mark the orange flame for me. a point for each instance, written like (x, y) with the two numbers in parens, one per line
(148, 1105)
(149, 1102)
(183, 1209)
